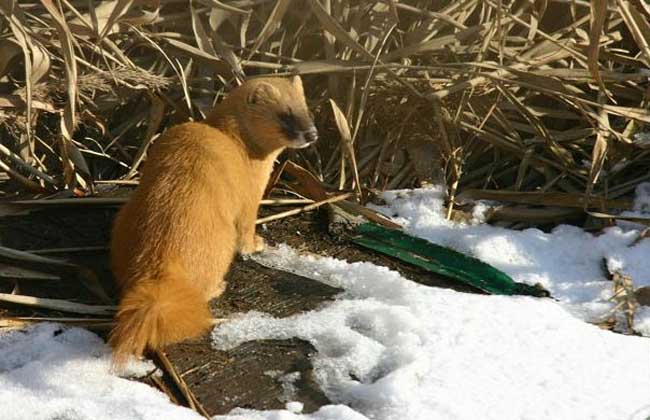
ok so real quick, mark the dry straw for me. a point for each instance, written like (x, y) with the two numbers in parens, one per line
(543, 96)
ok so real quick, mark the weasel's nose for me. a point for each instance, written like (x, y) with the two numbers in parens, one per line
(311, 135)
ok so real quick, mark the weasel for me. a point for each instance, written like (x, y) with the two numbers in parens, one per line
(195, 208)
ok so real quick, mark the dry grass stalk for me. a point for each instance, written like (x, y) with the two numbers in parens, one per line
(57, 304)
(69, 250)
(22, 322)
(181, 385)
(285, 201)
(624, 299)
(547, 199)
(309, 207)
(51, 265)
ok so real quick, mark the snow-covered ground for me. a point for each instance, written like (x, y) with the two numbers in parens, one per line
(389, 348)
(572, 264)
(49, 372)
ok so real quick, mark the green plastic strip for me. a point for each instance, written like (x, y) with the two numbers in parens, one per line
(441, 260)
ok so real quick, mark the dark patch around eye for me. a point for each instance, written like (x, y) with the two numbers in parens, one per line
(289, 124)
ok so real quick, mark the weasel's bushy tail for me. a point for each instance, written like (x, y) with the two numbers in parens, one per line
(156, 312)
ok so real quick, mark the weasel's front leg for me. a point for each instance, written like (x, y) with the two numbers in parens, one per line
(249, 241)
(257, 244)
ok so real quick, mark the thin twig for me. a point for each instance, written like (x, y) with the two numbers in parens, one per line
(69, 250)
(313, 206)
(181, 385)
(285, 201)
(57, 304)
(91, 323)
(119, 182)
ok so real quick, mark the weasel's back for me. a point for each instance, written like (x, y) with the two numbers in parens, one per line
(191, 171)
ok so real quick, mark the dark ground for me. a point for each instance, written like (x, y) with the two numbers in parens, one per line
(221, 380)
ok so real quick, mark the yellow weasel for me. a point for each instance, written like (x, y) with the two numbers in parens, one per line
(196, 206)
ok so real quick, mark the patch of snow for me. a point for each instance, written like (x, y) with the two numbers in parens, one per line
(139, 369)
(479, 212)
(568, 262)
(391, 349)
(642, 321)
(51, 372)
(288, 385)
(273, 373)
(287, 381)
(642, 197)
(295, 407)
(641, 208)
(329, 412)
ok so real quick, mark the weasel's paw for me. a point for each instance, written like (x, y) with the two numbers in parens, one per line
(258, 245)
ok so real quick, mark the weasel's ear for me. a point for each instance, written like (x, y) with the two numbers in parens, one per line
(264, 93)
(296, 81)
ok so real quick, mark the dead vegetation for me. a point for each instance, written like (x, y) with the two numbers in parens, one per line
(544, 96)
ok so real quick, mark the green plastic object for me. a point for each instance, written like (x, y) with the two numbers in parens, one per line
(441, 260)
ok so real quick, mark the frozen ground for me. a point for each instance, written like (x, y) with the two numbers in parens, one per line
(389, 348)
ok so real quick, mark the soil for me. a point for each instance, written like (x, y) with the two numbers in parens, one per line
(249, 376)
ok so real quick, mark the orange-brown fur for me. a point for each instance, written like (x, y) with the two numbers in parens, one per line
(195, 207)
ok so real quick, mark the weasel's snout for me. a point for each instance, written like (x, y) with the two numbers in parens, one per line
(311, 135)
(305, 138)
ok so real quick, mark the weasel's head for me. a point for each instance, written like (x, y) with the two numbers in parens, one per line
(276, 115)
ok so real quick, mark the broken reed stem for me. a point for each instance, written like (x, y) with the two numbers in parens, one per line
(119, 182)
(623, 295)
(57, 304)
(10, 323)
(100, 201)
(115, 201)
(21, 322)
(275, 176)
(293, 212)
(24, 165)
(24, 181)
(73, 249)
(285, 201)
(180, 383)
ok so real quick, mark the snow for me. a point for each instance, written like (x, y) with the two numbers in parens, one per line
(389, 348)
(642, 321)
(641, 207)
(642, 198)
(52, 372)
(287, 382)
(295, 406)
(329, 412)
(568, 261)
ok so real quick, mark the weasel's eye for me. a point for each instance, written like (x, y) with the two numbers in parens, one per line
(289, 124)
(287, 119)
